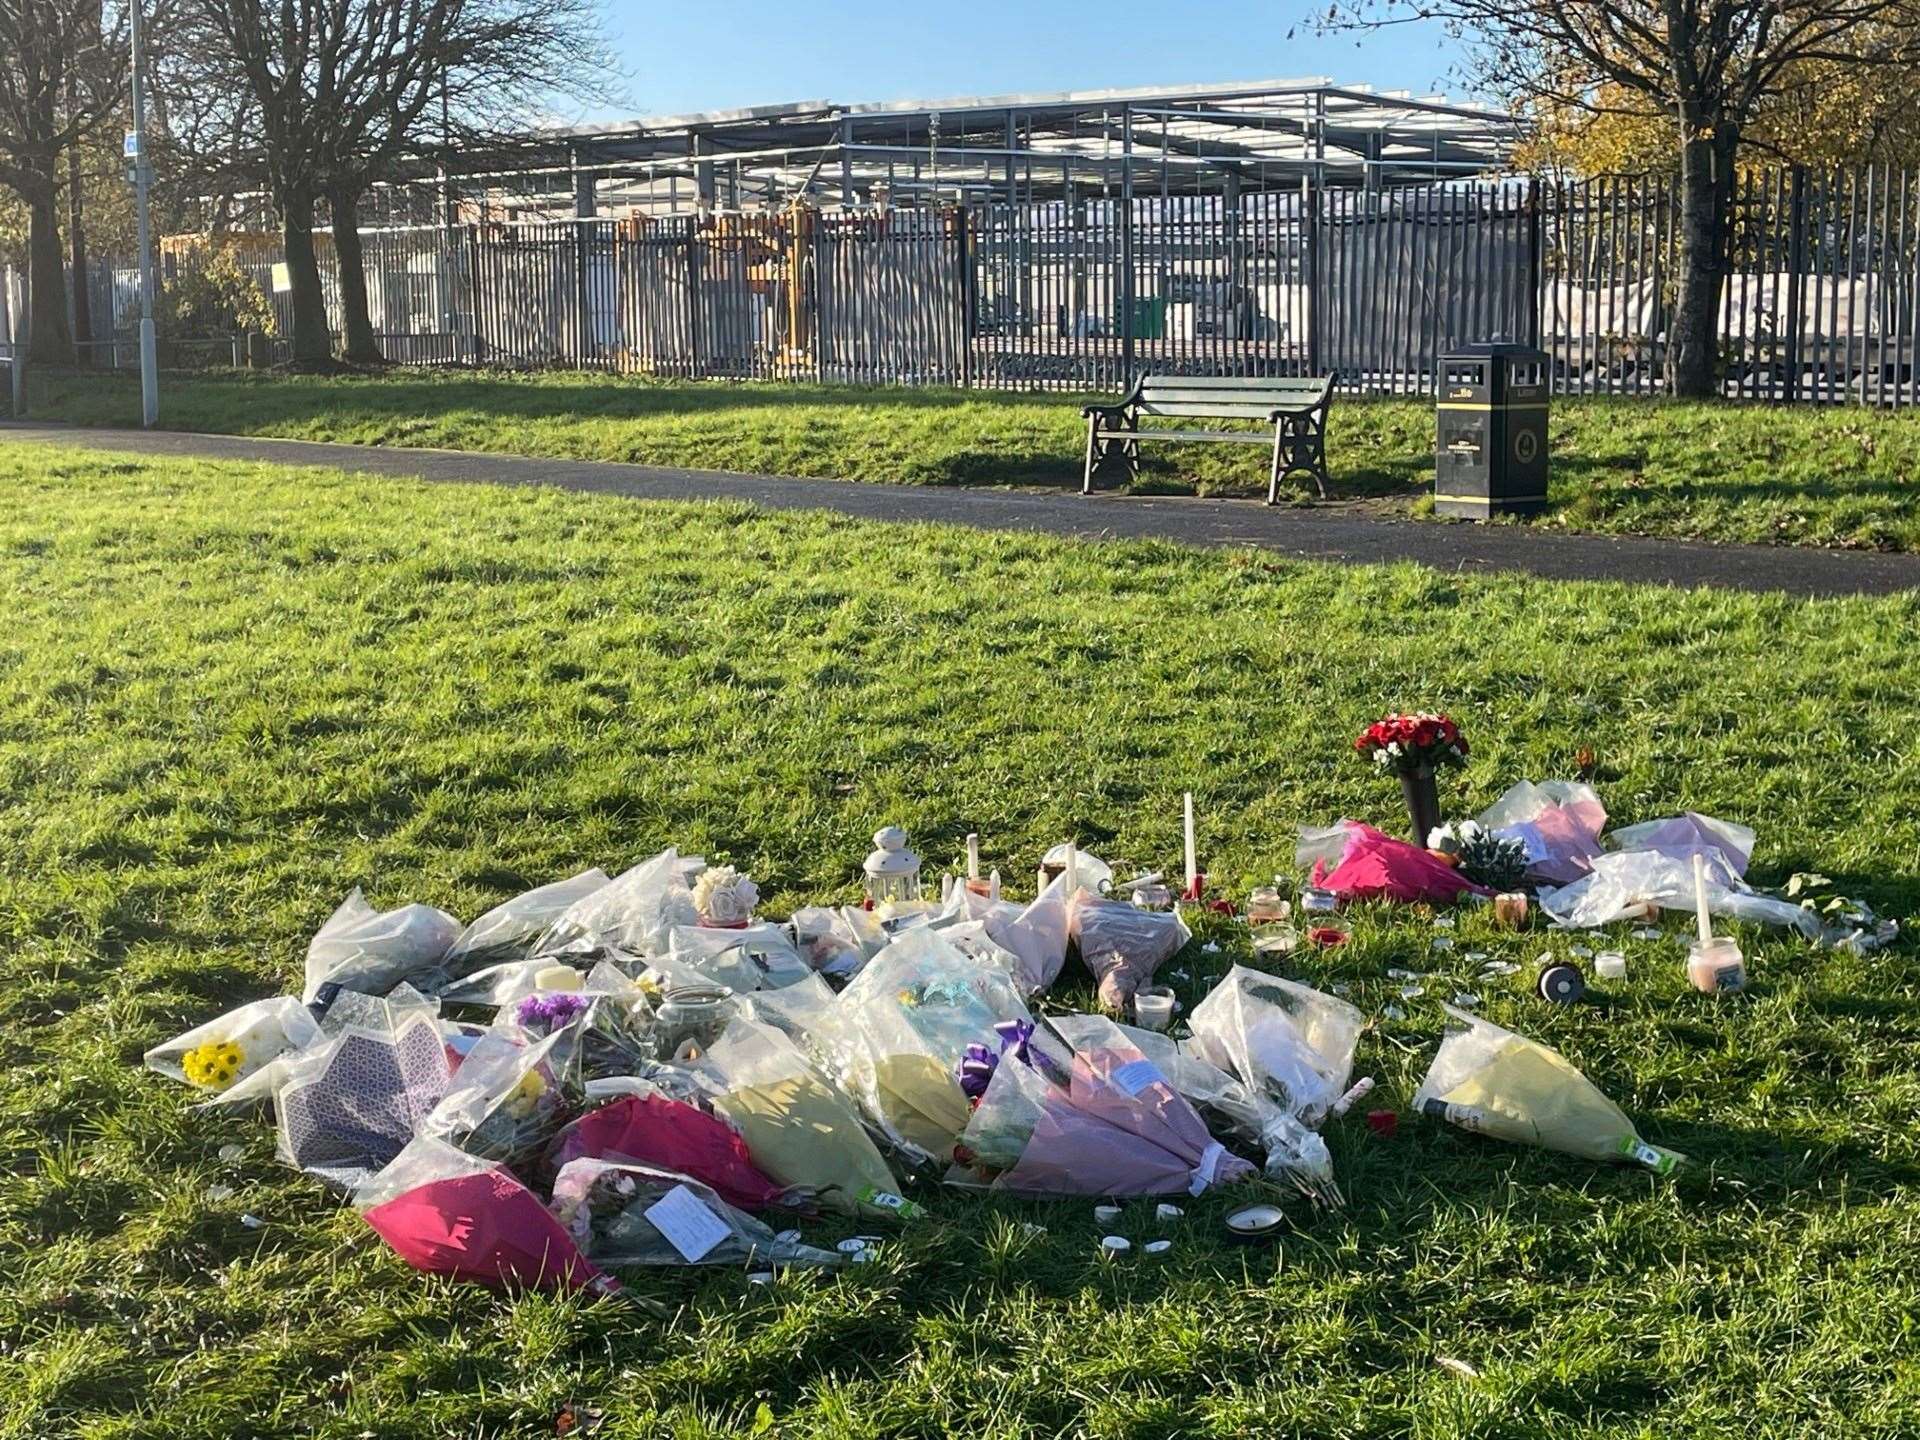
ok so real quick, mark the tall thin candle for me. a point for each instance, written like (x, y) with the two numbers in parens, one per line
(973, 857)
(1193, 863)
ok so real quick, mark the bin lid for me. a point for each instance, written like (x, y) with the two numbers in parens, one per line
(1500, 349)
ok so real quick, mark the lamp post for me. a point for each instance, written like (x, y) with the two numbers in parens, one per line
(141, 172)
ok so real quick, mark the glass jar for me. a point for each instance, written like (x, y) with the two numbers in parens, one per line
(1716, 967)
(1265, 906)
(691, 1018)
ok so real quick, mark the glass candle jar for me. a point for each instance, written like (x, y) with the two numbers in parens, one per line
(1265, 905)
(691, 1015)
(1716, 967)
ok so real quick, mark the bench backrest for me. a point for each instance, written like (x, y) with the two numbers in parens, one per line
(1225, 396)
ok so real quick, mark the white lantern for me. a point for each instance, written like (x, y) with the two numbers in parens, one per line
(892, 870)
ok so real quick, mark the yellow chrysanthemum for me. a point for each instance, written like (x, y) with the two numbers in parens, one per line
(214, 1065)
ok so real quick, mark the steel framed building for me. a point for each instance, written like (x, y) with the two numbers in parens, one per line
(1178, 140)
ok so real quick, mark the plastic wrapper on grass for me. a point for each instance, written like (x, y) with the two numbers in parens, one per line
(625, 1213)
(1295, 1154)
(510, 1096)
(450, 1213)
(655, 1130)
(1122, 944)
(360, 948)
(800, 1130)
(508, 932)
(1288, 1042)
(347, 1107)
(227, 1058)
(632, 912)
(901, 1030)
(1621, 884)
(1493, 1082)
(1116, 1127)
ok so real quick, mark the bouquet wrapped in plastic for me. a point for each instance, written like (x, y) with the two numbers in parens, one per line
(1358, 862)
(1558, 825)
(450, 1213)
(1100, 1121)
(800, 1131)
(901, 1029)
(230, 1059)
(508, 931)
(632, 912)
(836, 941)
(752, 957)
(1034, 935)
(671, 1135)
(1493, 1082)
(360, 948)
(609, 1021)
(1295, 1154)
(1122, 944)
(510, 1096)
(621, 1213)
(1289, 1043)
(347, 1106)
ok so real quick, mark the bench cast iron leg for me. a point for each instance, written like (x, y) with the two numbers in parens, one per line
(1093, 454)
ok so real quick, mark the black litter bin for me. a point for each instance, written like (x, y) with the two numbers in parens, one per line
(1490, 456)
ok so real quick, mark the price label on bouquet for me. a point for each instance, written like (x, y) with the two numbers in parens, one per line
(683, 1218)
(1137, 1075)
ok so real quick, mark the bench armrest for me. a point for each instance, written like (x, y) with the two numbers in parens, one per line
(1091, 412)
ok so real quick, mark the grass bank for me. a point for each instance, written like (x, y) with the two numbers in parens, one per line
(230, 693)
(1837, 477)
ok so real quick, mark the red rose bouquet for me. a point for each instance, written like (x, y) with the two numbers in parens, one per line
(1412, 744)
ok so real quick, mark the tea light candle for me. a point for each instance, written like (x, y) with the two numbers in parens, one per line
(1510, 910)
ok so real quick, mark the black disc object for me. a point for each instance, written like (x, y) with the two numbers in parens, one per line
(1562, 984)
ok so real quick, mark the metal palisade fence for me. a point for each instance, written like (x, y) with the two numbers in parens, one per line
(1821, 301)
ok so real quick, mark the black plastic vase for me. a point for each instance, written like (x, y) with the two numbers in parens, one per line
(1423, 803)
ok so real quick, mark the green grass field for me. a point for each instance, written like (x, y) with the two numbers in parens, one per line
(230, 693)
(1837, 477)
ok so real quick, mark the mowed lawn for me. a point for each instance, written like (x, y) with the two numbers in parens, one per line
(230, 693)
(1843, 476)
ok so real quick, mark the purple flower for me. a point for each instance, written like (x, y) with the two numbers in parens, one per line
(551, 1012)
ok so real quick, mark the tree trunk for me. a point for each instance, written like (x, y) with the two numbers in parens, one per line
(312, 340)
(1706, 191)
(77, 258)
(49, 340)
(356, 324)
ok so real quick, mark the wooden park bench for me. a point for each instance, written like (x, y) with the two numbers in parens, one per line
(1296, 409)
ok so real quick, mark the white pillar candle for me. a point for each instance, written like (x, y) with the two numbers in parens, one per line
(1193, 864)
(973, 857)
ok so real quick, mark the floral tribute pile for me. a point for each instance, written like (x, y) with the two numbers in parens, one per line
(610, 1072)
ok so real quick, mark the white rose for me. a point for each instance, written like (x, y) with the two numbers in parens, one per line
(724, 895)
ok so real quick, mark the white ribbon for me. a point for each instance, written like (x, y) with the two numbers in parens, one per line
(1209, 1166)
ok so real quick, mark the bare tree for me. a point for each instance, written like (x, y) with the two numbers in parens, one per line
(341, 91)
(1707, 66)
(61, 73)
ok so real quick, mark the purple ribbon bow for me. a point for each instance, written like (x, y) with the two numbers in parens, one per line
(980, 1061)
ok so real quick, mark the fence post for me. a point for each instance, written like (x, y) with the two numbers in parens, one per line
(1796, 284)
(1126, 245)
(1310, 231)
(1535, 269)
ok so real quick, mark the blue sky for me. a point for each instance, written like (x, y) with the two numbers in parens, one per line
(724, 53)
